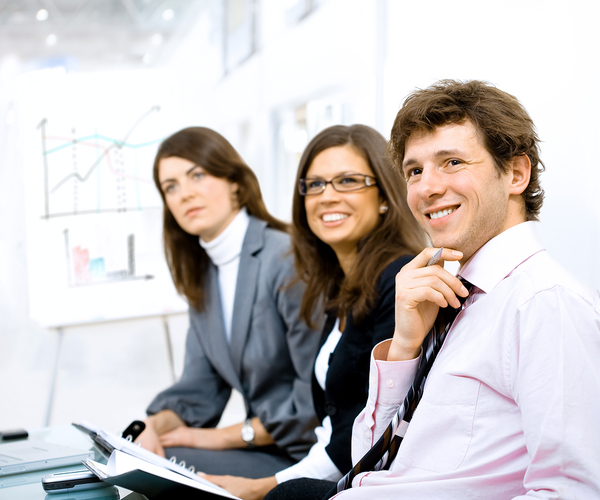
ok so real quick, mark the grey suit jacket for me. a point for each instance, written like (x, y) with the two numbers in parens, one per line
(270, 357)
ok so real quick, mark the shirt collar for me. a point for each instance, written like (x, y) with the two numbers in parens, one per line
(500, 256)
(228, 245)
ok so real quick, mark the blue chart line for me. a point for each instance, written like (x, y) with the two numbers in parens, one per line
(106, 145)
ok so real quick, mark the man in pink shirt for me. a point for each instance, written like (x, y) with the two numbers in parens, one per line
(511, 407)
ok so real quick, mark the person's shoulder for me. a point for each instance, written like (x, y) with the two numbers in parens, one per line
(276, 241)
(542, 273)
(277, 257)
(272, 246)
(264, 238)
(276, 235)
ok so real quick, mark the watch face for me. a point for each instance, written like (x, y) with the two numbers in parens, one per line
(247, 433)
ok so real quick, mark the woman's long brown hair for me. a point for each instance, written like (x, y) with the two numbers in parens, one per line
(396, 235)
(187, 260)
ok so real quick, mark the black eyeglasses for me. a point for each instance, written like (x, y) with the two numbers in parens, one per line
(341, 183)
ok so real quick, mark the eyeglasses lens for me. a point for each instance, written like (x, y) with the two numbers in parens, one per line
(341, 183)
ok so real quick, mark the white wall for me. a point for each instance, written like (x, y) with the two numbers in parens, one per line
(366, 56)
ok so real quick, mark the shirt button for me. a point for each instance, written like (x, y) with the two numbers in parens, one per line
(390, 383)
(367, 434)
(330, 409)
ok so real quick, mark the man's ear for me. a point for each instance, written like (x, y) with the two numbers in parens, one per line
(520, 173)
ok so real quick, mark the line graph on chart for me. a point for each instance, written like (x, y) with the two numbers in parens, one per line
(95, 173)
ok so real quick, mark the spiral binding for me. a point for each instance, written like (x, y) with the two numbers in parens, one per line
(173, 460)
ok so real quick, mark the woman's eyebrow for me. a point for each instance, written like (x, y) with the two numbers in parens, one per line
(191, 169)
(166, 180)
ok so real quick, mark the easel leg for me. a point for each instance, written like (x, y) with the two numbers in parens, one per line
(59, 341)
(169, 343)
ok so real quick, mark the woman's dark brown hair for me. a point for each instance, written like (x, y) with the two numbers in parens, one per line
(396, 235)
(187, 260)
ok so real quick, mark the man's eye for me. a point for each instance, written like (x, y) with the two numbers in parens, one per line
(454, 163)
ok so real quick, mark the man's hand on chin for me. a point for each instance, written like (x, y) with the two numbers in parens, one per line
(421, 289)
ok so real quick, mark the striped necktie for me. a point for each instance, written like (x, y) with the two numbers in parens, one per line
(383, 452)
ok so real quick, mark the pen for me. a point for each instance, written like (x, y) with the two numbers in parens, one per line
(436, 258)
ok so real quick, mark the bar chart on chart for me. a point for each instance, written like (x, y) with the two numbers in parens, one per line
(85, 270)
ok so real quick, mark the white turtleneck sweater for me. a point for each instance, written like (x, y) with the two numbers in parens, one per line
(224, 251)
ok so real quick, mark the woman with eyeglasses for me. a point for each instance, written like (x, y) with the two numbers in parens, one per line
(231, 260)
(352, 233)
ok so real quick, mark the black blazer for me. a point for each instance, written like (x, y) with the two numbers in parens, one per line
(347, 383)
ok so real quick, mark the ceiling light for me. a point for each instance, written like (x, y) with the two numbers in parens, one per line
(157, 39)
(41, 15)
(168, 14)
(51, 39)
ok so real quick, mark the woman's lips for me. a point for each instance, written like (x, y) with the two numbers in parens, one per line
(193, 211)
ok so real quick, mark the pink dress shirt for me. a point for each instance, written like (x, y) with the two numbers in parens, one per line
(511, 408)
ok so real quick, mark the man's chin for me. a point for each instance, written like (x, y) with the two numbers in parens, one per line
(442, 242)
(448, 244)
(438, 239)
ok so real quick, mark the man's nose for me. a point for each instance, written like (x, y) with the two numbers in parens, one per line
(431, 183)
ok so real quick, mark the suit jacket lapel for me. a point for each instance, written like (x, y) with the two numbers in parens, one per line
(212, 331)
(245, 290)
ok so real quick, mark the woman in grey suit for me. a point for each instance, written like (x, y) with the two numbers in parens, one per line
(231, 260)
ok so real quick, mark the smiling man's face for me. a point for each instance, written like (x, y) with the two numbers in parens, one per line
(454, 189)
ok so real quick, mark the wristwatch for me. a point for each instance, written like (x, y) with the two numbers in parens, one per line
(248, 433)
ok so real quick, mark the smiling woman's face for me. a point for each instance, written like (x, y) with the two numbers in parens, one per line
(202, 204)
(341, 219)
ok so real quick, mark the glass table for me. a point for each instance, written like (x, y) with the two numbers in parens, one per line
(28, 485)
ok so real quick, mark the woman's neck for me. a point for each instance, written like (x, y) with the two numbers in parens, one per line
(346, 258)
